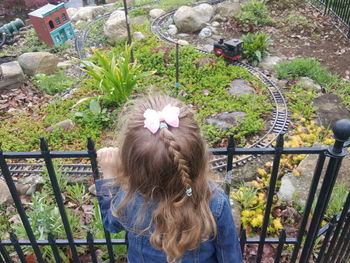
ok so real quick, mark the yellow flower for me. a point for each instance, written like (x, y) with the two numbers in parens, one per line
(245, 213)
(261, 172)
(257, 221)
(277, 223)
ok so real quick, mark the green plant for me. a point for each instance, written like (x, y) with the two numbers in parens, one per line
(298, 23)
(173, 4)
(256, 46)
(336, 203)
(138, 12)
(44, 218)
(306, 67)
(301, 102)
(55, 83)
(115, 77)
(77, 193)
(256, 13)
(94, 114)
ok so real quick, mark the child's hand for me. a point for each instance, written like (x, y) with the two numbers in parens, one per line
(108, 160)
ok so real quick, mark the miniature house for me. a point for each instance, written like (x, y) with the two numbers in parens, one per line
(52, 24)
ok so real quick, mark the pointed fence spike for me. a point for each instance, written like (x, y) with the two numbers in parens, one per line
(90, 144)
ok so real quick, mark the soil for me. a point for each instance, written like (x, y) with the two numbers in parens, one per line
(299, 30)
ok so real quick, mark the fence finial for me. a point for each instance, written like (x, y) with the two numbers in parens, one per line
(90, 144)
(341, 133)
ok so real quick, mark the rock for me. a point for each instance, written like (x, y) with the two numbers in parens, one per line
(330, 110)
(115, 27)
(5, 195)
(182, 35)
(215, 24)
(226, 120)
(236, 213)
(191, 19)
(92, 189)
(38, 62)
(205, 61)
(88, 13)
(11, 75)
(205, 32)
(66, 125)
(172, 30)
(269, 62)
(282, 83)
(227, 9)
(287, 189)
(64, 64)
(219, 18)
(308, 83)
(154, 13)
(71, 11)
(138, 36)
(240, 87)
(182, 42)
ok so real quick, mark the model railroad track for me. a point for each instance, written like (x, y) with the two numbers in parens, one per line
(277, 124)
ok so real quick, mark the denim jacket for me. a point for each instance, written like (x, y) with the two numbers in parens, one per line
(224, 248)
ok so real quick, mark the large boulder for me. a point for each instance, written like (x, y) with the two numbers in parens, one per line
(11, 75)
(192, 19)
(115, 27)
(330, 110)
(38, 62)
(87, 13)
(71, 11)
(228, 9)
(154, 13)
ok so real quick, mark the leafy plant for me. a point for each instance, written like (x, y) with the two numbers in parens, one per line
(256, 13)
(44, 217)
(94, 114)
(55, 83)
(256, 46)
(116, 77)
(138, 12)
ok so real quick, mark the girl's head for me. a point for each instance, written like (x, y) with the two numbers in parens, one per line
(165, 166)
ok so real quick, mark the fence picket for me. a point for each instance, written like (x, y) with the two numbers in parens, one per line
(336, 154)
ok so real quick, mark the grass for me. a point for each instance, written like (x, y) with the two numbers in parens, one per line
(173, 4)
(55, 83)
(310, 67)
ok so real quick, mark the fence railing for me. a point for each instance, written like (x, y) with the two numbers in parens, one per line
(335, 245)
(338, 8)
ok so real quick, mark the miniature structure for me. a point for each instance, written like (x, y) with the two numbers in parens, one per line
(9, 29)
(52, 24)
(232, 49)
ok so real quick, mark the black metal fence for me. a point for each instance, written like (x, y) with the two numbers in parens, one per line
(335, 246)
(338, 8)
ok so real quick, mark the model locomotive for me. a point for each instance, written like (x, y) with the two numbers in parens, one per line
(232, 49)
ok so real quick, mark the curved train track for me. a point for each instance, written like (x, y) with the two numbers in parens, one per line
(277, 124)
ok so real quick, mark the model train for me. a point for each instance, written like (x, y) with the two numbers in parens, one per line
(232, 49)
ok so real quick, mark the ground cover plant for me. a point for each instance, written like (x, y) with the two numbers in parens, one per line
(204, 82)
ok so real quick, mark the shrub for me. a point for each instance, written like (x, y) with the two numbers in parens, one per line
(306, 67)
(256, 47)
(55, 83)
(115, 77)
(255, 13)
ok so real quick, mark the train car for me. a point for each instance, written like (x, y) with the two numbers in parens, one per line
(232, 49)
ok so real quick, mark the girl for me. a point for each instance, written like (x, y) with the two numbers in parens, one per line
(157, 189)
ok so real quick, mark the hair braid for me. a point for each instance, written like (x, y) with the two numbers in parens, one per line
(175, 150)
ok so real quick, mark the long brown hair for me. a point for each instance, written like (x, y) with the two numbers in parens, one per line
(161, 167)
